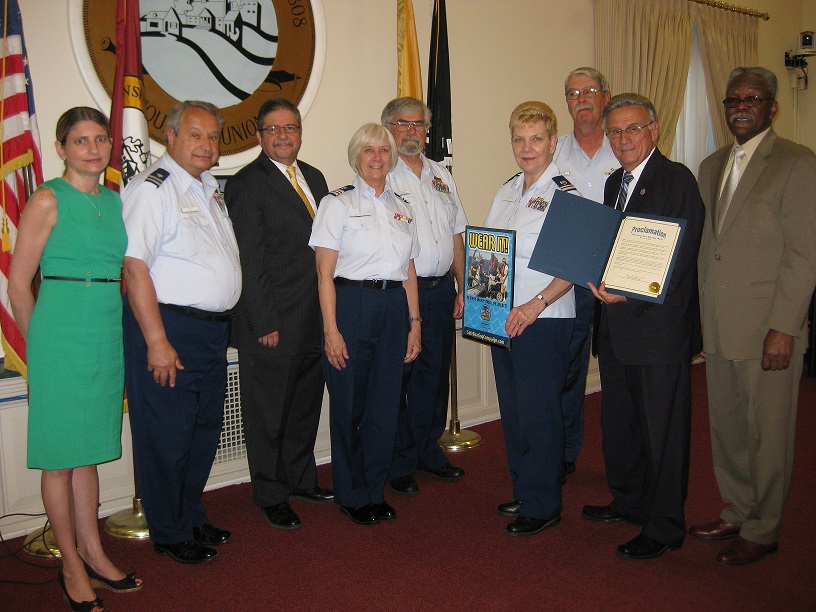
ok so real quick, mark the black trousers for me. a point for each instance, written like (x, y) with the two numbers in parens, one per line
(281, 397)
(646, 427)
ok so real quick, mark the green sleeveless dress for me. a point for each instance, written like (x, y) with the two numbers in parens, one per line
(74, 348)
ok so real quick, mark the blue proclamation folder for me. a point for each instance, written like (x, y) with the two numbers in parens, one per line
(577, 240)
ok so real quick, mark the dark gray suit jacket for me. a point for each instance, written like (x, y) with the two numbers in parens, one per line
(644, 332)
(272, 227)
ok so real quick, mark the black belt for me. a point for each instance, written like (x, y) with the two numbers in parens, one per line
(368, 284)
(83, 280)
(429, 282)
(202, 315)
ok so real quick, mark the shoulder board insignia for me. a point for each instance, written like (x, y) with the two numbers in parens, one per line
(512, 177)
(402, 198)
(158, 176)
(563, 184)
(337, 192)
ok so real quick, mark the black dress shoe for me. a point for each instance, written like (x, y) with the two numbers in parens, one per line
(404, 485)
(446, 472)
(510, 508)
(645, 547)
(603, 514)
(366, 515)
(318, 495)
(281, 516)
(186, 552)
(385, 512)
(525, 526)
(210, 535)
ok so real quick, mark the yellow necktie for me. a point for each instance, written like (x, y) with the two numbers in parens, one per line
(290, 170)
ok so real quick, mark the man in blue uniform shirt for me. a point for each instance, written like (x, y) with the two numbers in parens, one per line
(183, 278)
(429, 190)
(585, 158)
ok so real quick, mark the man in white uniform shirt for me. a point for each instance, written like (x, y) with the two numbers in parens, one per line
(183, 277)
(585, 159)
(429, 190)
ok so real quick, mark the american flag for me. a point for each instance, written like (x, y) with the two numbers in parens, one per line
(20, 163)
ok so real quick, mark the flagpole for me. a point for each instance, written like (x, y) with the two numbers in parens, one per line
(439, 147)
(128, 120)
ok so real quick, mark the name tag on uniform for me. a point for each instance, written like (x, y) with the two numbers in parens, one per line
(190, 209)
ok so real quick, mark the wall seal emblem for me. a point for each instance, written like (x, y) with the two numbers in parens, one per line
(233, 53)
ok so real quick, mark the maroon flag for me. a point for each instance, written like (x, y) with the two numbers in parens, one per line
(131, 141)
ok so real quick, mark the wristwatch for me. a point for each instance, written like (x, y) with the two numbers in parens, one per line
(541, 298)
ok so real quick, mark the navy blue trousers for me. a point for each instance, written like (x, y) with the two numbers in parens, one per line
(176, 429)
(426, 383)
(364, 398)
(529, 382)
(572, 399)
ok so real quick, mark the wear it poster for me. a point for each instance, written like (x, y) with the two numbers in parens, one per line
(489, 277)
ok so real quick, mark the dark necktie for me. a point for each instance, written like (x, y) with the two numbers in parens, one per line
(624, 190)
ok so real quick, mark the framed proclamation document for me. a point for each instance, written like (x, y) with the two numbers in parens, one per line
(583, 241)
(489, 273)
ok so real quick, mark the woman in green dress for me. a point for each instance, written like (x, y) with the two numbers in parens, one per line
(72, 230)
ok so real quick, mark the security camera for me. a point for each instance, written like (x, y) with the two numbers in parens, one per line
(807, 45)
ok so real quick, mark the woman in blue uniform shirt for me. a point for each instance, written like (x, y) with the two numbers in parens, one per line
(365, 242)
(530, 378)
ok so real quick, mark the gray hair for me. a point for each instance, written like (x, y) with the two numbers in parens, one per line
(370, 134)
(593, 74)
(763, 73)
(630, 99)
(175, 114)
(406, 105)
(274, 104)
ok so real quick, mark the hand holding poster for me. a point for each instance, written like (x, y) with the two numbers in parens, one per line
(489, 276)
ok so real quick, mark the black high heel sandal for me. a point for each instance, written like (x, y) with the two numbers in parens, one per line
(127, 584)
(77, 606)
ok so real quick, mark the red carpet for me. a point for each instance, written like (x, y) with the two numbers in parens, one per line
(447, 549)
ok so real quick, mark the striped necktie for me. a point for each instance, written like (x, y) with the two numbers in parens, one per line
(290, 170)
(624, 190)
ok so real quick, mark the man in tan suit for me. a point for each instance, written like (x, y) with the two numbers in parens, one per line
(757, 270)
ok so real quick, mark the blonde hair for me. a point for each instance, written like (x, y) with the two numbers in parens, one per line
(533, 112)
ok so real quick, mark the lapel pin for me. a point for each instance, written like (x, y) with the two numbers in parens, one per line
(642, 192)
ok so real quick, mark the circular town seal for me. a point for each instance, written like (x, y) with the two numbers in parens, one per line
(235, 54)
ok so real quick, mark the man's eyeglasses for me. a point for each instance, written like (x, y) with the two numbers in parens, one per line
(589, 92)
(273, 130)
(749, 101)
(633, 131)
(404, 126)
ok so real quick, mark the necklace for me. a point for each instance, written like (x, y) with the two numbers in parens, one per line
(91, 202)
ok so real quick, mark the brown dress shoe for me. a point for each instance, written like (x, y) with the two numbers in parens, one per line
(743, 552)
(715, 530)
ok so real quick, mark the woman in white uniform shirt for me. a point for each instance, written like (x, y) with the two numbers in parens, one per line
(365, 243)
(531, 376)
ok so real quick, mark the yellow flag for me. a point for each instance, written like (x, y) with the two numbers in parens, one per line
(409, 78)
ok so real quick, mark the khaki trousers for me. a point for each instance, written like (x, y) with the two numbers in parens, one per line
(753, 425)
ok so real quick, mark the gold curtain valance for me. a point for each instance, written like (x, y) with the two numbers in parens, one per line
(734, 8)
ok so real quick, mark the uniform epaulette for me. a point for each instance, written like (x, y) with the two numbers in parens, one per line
(563, 184)
(158, 176)
(341, 190)
(512, 177)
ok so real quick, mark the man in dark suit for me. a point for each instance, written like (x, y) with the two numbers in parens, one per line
(757, 272)
(645, 348)
(276, 327)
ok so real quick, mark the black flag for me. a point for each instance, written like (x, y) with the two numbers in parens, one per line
(439, 147)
